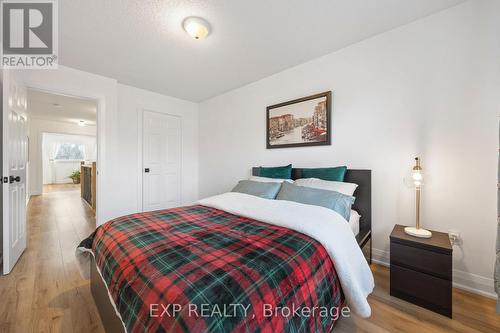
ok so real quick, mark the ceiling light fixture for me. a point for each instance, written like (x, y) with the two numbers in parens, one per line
(81, 123)
(196, 27)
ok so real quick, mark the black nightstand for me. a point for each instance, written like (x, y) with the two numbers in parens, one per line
(421, 270)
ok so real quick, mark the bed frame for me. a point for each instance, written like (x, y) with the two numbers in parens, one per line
(363, 205)
(110, 320)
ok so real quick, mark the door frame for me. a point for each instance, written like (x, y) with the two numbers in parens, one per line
(140, 156)
(100, 134)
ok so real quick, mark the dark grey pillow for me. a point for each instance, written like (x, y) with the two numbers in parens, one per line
(333, 200)
(266, 190)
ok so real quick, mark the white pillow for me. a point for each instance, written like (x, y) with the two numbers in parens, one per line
(269, 180)
(341, 187)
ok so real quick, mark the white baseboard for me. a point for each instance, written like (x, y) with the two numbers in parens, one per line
(462, 280)
(380, 257)
(474, 283)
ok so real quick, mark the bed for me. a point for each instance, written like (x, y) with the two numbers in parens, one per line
(363, 204)
(155, 271)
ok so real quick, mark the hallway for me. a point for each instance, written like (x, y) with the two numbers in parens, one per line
(45, 292)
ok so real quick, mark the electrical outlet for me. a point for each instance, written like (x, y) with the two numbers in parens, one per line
(455, 237)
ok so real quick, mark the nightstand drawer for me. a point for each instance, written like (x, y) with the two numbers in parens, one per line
(421, 260)
(422, 289)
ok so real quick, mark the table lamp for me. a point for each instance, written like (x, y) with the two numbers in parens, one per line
(417, 181)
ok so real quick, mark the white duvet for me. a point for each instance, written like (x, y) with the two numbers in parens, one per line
(322, 224)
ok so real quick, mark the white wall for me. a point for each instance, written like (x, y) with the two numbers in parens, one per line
(131, 103)
(425, 89)
(117, 134)
(36, 129)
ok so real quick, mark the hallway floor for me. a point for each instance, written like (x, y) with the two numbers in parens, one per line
(45, 292)
(61, 188)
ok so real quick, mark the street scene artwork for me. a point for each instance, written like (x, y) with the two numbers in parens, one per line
(301, 122)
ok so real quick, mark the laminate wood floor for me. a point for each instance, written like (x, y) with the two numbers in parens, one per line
(471, 313)
(60, 187)
(45, 292)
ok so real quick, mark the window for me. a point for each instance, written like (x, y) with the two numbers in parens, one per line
(69, 151)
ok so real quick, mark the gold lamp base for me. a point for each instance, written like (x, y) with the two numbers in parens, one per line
(421, 233)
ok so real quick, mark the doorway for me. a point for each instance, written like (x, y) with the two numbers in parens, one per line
(58, 218)
(63, 147)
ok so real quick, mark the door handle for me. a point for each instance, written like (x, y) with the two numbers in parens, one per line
(146, 170)
(14, 179)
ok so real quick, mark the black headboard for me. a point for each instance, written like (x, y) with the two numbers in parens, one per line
(363, 194)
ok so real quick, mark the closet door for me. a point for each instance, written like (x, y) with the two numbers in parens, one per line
(161, 161)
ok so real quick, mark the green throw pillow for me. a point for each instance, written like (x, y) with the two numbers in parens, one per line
(282, 172)
(336, 174)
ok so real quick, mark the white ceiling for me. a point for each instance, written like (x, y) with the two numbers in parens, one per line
(141, 43)
(43, 105)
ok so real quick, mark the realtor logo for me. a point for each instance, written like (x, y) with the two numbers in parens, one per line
(29, 34)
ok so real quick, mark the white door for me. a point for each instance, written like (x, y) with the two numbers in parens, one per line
(161, 161)
(14, 151)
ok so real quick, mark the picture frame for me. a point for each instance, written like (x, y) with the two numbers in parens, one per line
(301, 122)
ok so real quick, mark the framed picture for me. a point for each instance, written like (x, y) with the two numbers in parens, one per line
(301, 122)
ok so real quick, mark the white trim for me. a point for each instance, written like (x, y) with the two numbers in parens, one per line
(470, 282)
(100, 134)
(474, 283)
(140, 127)
(380, 257)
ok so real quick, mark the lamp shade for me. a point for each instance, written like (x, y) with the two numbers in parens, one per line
(417, 173)
(417, 177)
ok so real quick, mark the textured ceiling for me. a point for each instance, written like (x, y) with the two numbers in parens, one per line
(43, 105)
(141, 43)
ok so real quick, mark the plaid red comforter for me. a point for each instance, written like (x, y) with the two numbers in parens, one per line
(200, 269)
